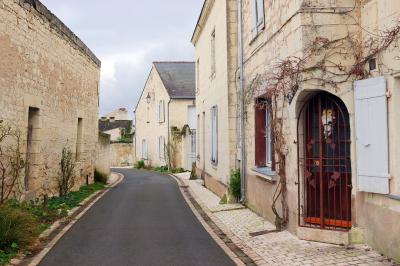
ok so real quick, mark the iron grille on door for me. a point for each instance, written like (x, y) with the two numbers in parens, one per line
(324, 164)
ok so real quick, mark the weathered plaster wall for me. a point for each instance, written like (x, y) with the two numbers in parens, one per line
(45, 66)
(217, 90)
(103, 158)
(121, 154)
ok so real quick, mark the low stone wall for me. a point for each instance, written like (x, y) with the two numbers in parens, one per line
(121, 154)
(217, 187)
(103, 154)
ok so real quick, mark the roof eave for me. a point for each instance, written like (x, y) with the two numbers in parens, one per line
(205, 11)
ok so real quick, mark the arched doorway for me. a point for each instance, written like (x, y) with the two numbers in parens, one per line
(325, 180)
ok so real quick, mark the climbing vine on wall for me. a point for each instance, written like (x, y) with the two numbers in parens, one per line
(324, 63)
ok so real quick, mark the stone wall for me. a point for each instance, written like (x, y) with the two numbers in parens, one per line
(290, 27)
(103, 159)
(218, 89)
(121, 154)
(50, 80)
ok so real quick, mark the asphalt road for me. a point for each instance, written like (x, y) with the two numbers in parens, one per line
(142, 221)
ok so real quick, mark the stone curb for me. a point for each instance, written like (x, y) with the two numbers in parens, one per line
(59, 228)
(239, 252)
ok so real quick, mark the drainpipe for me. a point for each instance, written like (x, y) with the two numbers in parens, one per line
(242, 105)
(168, 129)
(134, 139)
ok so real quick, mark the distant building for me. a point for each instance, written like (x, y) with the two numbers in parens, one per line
(117, 125)
(121, 131)
(119, 114)
(164, 114)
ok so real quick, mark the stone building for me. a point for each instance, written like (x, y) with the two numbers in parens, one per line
(215, 40)
(119, 114)
(49, 80)
(340, 136)
(164, 112)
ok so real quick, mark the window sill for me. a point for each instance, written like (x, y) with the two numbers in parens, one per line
(255, 37)
(394, 197)
(266, 173)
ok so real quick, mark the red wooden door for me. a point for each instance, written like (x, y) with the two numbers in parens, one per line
(327, 184)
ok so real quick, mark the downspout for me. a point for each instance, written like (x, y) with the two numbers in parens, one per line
(242, 105)
(135, 140)
(168, 144)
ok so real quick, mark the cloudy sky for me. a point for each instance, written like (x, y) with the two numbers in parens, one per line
(127, 35)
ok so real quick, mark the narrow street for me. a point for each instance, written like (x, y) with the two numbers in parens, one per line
(143, 221)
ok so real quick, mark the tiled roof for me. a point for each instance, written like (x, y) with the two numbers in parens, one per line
(179, 78)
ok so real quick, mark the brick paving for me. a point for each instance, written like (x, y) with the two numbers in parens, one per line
(279, 248)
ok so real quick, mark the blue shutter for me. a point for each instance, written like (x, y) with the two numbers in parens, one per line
(372, 135)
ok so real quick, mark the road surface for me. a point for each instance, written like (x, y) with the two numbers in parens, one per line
(142, 221)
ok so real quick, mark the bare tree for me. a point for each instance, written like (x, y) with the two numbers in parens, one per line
(66, 178)
(11, 162)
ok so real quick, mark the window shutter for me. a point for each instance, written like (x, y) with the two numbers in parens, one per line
(260, 14)
(158, 112)
(260, 141)
(254, 17)
(163, 111)
(214, 132)
(159, 147)
(163, 147)
(372, 135)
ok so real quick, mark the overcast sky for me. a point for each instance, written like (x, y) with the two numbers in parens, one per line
(127, 35)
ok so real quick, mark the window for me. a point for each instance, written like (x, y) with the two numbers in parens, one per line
(161, 111)
(264, 145)
(161, 147)
(79, 139)
(214, 135)
(258, 17)
(32, 145)
(144, 149)
(213, 61)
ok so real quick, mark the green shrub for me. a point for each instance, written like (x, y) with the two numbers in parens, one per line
(161, 169)
(235, 184)
(18, 229)
(100, 177)
(139, 164)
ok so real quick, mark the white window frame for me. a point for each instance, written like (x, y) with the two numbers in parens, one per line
(161, 147)
(161, 111)
(258, 15)
(268, 136)
(144, 149)
(213, 54)
(214, 135)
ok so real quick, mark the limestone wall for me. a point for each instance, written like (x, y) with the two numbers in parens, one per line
(217, 89)
(45, 68)
(290, 28)
(103, 161)
(121, 154)
(147, 126)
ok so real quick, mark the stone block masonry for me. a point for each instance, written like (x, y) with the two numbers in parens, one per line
(49, 81)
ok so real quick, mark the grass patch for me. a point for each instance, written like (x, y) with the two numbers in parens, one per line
(22, 222)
